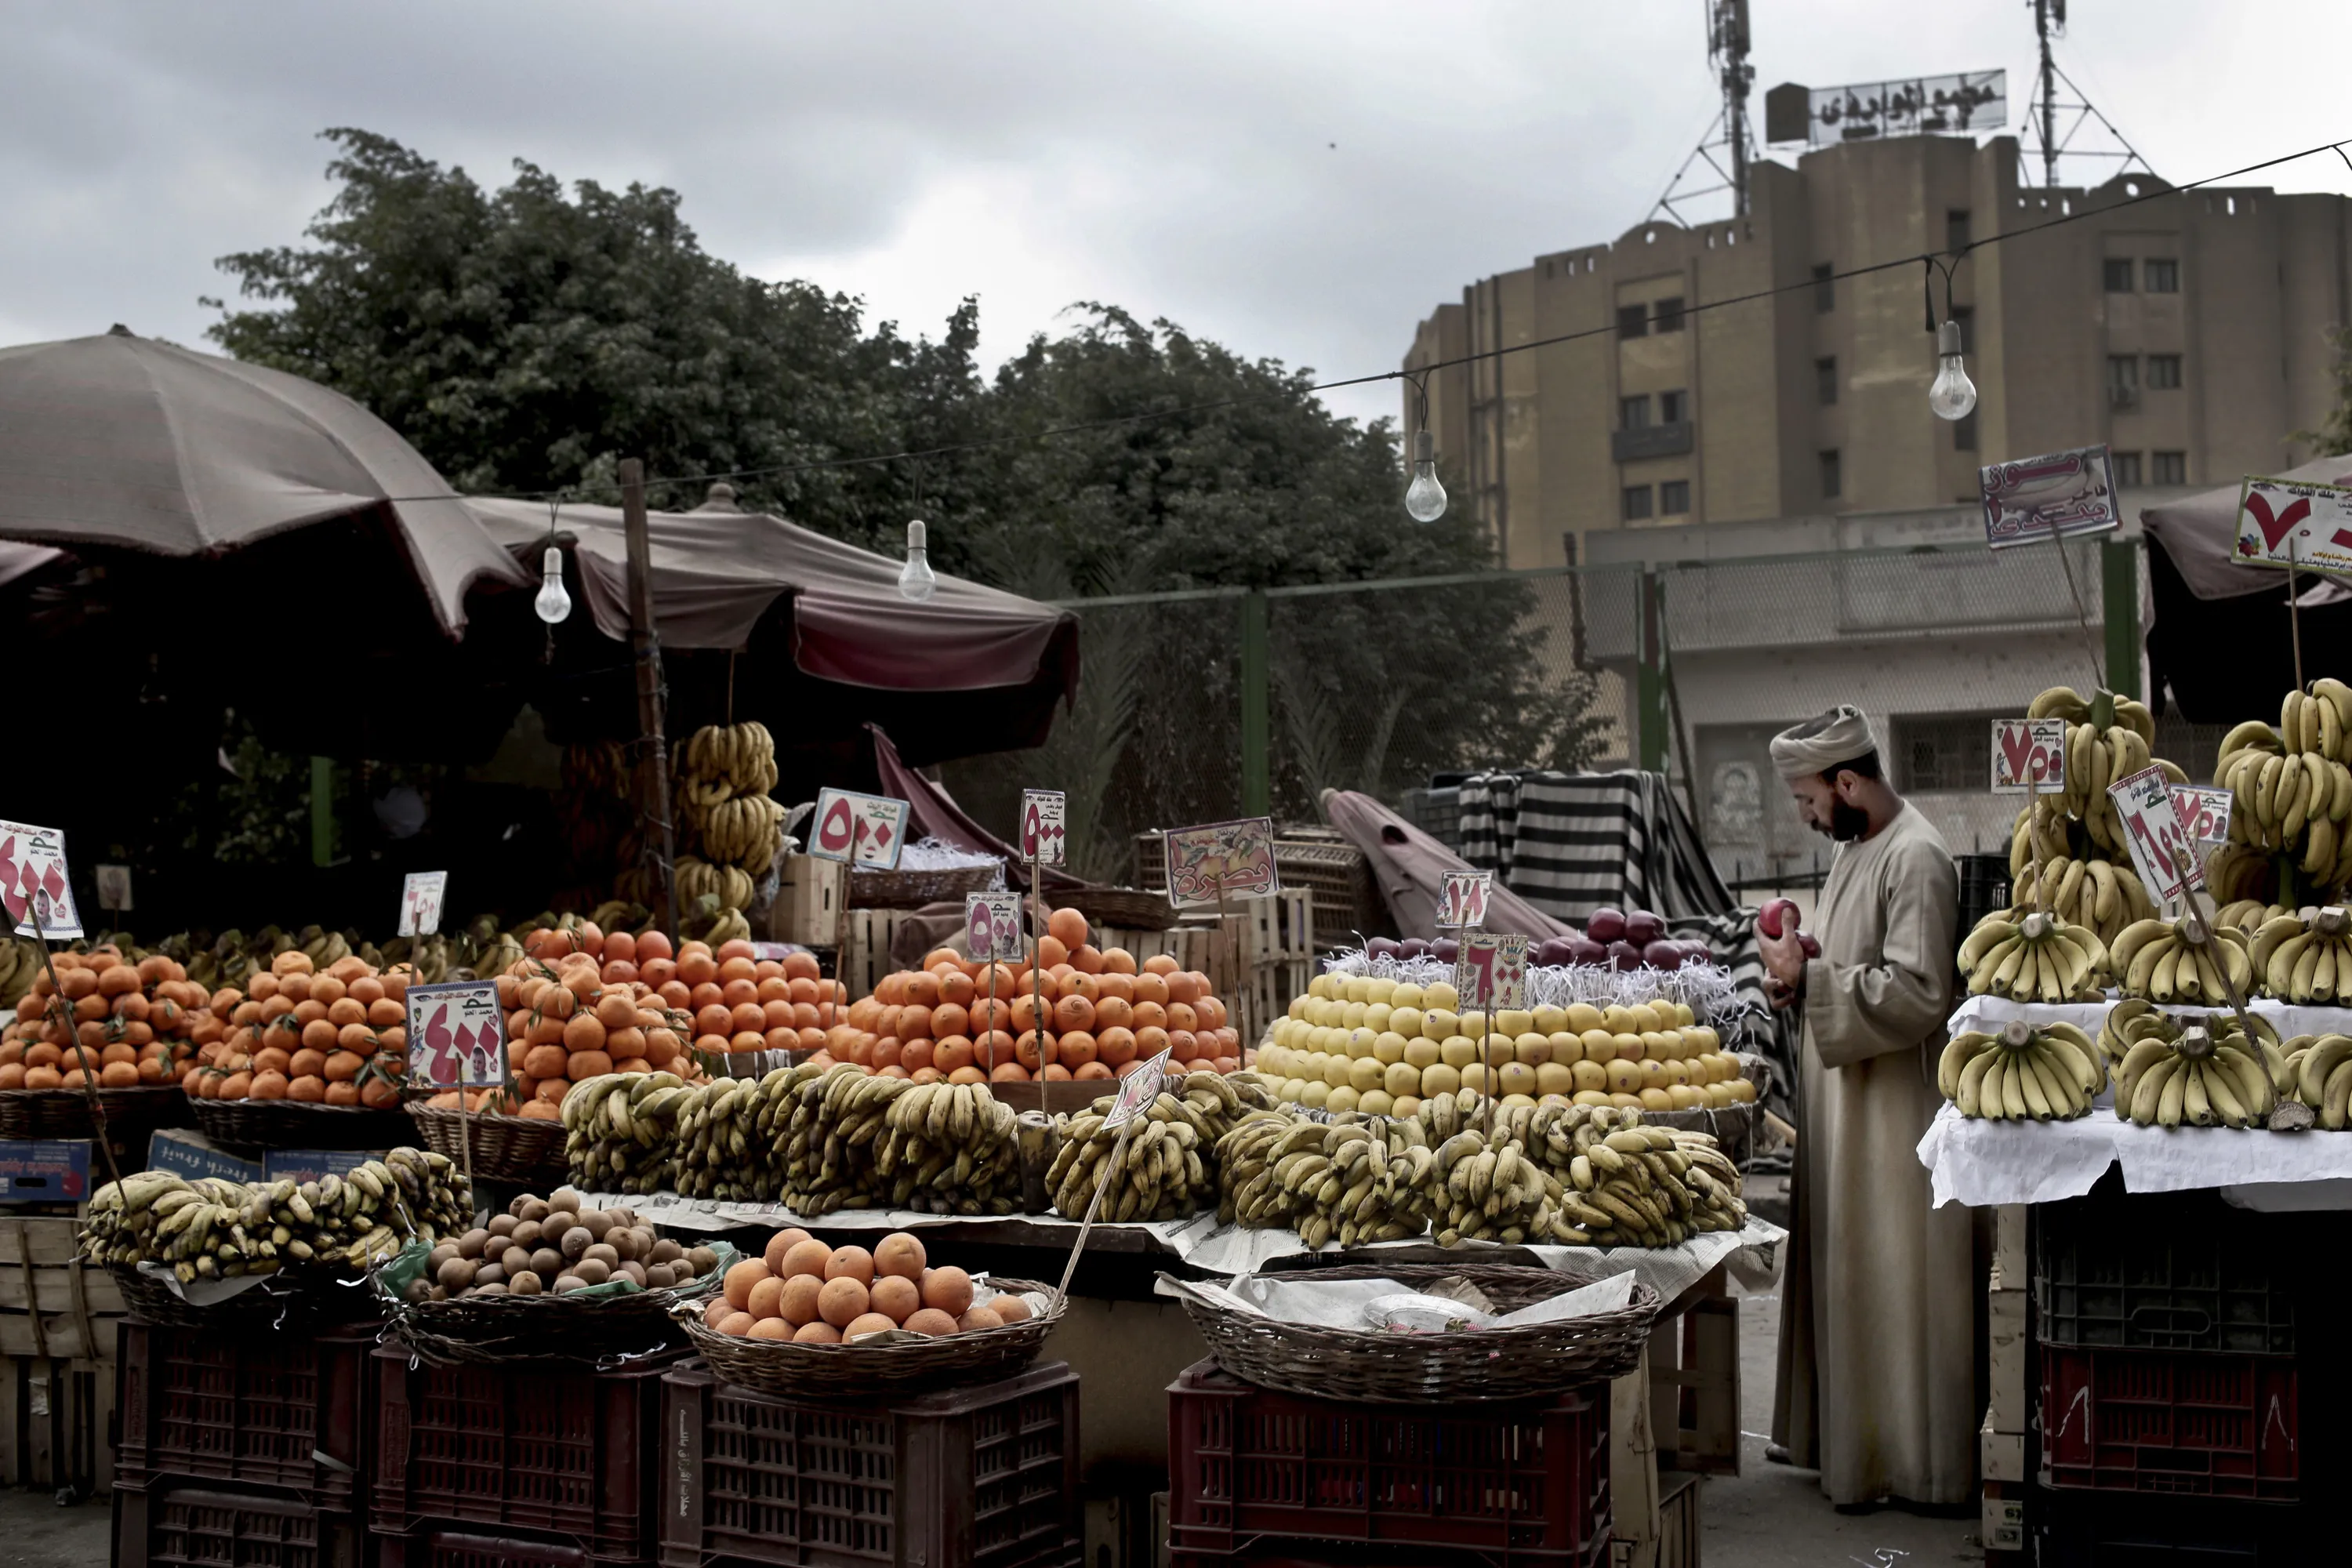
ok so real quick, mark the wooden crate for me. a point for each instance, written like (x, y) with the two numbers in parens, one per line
(1346, 902)
(1266, 994)
(55, 1420)
(808, 902)
(867, 956)
(1678, 1520)
(52, 1304)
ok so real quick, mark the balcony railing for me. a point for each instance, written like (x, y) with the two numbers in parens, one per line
(1668, 440)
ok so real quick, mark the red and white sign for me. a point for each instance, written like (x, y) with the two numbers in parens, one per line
(2204, 811)
(1462, 897)
(33, 885)
(1137, 1090)
(1044, 813)
(991, 924)
(862, 829)
(420, 902)
(2287, 522)
(2029, 755)
(2160, 848)
(1490, 973)
(2061, 493)
(1209, 864)
(457, 1035)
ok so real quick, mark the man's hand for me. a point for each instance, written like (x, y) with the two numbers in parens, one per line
(1784, 958)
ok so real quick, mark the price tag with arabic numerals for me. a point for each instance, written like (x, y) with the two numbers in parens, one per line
(2204, 811)
(1137, 1091)
(2161, 849)
(2029, 755)
(1462, 898)
(1044, 813)
(1490, 973)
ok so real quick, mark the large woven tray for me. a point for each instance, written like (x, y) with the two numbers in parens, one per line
(1487, 1364)
(506, 1148)
(795, 1371)
(131, 1113)
(297, 1124)
(913, 890)
(1123, 908)
(280, 1303)
(487, 1331)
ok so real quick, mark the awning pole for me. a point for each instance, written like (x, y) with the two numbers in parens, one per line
(653, 749)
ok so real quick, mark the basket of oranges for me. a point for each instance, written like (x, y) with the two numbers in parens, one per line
(109, 1031)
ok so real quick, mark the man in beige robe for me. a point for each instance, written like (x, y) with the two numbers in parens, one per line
(1877, 1376)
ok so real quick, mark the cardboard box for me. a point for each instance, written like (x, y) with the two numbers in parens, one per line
(187, 1153)
(2007, 1409)
(807, 910)
(2001, 1456)
(2012, 1268)
(2002, 1526)
(44, 1170)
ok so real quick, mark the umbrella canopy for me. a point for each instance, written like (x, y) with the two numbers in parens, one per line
(118, 442)
(2200, 533)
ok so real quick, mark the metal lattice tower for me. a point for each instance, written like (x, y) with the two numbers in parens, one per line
(1724, 153)
(2052, 123)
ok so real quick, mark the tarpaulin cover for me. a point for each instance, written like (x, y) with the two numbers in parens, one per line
(121, 442)
(937, 815)
(2200, 533)
(1410, 867)
(717, 573)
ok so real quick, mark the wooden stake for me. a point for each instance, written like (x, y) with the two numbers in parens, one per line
(2293, 614)
(1037, 974)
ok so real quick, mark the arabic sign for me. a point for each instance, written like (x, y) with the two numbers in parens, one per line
(991, 924)
(1137, 1090)
(1957, 105)
(862, 829)
(33, 885)
(2286, 522)
(44, 1170)
(1462, 899)
(2160, 848)
(420, 902)
(1043, 815)
(2029, 756)
(1221, 861)
(2204, 811)
(2063, 493)
(457, 1035)
(113, 887)
(1491, 971)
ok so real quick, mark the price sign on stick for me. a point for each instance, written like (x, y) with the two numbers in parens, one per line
(2160, 848)
(33, 885)
(1043, 815)
(1137, 1091)
(1206, 865)
(1462, 898)
(457, 1035)
(420, 902)
(862, 829)
(2287, 522)
(992, 923)
(1491, 972)
(113, 887)
(2204, 811)
(2029, 755)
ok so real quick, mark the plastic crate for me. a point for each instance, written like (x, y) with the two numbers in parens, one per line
(558, 1449)
(1984, 887)
(271, 1410)
(455, 1543)
(2161, 1271)
(169, 1524)
(2170, 1421)
(983, 1477)
(1253, 1469)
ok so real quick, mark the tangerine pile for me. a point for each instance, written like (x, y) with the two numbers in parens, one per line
(337, 1037)
(122, 1024)
(803, 1289)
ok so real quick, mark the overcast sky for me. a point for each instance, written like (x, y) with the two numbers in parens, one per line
(1298, 179)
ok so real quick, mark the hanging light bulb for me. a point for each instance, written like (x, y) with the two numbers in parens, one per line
(554, 604)
(1424, 498)
(1953, 393)
(916, 581)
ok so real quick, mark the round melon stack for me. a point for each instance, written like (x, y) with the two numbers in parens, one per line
(1381, 1046)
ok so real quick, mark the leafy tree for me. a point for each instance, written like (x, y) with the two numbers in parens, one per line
(2335, 435)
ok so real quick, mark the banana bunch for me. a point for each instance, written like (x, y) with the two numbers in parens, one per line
(599, 768)
(433, 955)
(829, 1143)
(2180, 961)
(715, 1151)
(1561, 1138)
(2305, 960)
(721, 764)
(1487, 1188)
(1162, 1173)
(2094, 894)
(2200, 1070)
(2023, 1073)
(951, 1148)
(1355, 1179)
(2032, 958)
(2291, 791)
(2107, 738)
(20, 965)
(698, 879)
(2321, 1069)
(619, 1128)
(747, 831)
(197, 1227)
(2319, 721)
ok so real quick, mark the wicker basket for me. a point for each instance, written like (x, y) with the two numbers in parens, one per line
(793, 1371)
(913, 890)
(280, 1303)
(485, 1331)
(131, 1113)
(297, 1125)
(506, 1148)
(1490, 1364)
(1123, 908)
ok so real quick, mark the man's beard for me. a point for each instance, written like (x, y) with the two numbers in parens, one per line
(1846, 824)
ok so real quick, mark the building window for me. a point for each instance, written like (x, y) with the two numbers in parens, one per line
(2127, 470)
(1632, 321)
(1674, 498)
(1964, 432)
(1633, 413)
(2163, 372)
(1943, 751)
(1670, 314)
(1825, 380)
(1831, 479)
(1956, 229)
(2169, 469)
(2119, 274)
(1965, 317)
(1634, 502)
(1673, 407)
(2163, 277)
(2123, 381)
(1824, 288)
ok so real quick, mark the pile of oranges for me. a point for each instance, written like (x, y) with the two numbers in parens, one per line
(1084, 1013)
(336, 1036)
(121, 1024)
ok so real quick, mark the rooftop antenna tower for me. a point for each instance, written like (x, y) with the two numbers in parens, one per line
(1724, 150)
(2043, 119)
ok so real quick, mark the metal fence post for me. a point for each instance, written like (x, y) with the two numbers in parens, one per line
(2119, 583)
(1257, 794)
(322, 811)
(1650, 686)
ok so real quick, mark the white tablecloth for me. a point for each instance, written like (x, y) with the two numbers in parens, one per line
(1980, 1163)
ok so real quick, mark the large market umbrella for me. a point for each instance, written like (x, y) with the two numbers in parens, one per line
(122, 443)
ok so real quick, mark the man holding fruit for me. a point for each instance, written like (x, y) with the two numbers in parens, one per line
(1877, 1382)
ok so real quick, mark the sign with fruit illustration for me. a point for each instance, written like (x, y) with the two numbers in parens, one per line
(1491, 973)
(862, 829)
(1137, 1091)
(1221, 861)
(457, 1035)
(420, 902)
(1043, 814)
(2029, 756)
(2160, 848)
(33, 882)
(2204, 811)
(2286, 522)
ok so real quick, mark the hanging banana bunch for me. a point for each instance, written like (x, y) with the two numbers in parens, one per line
(2305, 960)
(2182, 960)
(2319, 1068)
(2032, 958)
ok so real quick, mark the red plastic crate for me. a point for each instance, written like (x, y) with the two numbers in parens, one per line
(535, 1447)
(980, 1477)
(170, 1525)
(1251, 1469)
(2170, 1421)
(451, 1543)
(274, 1410)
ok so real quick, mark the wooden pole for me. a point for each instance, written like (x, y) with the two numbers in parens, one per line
(2293, 614)
(653, 759)
(1037, 974)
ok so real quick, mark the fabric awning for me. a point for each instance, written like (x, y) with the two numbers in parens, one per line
(2199, 534)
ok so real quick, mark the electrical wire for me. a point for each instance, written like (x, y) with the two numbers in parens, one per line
(1946, 258)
